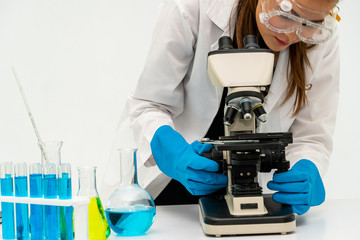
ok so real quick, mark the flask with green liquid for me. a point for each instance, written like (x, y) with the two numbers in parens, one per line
(98, 226)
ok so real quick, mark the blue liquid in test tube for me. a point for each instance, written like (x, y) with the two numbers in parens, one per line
(66, 213)
(22, 209)
(8, 220)
(51, 218)
(36, 211)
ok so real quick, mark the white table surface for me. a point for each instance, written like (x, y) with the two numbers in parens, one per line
(335, 219)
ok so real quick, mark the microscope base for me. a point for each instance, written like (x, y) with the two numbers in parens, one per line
(216, 219)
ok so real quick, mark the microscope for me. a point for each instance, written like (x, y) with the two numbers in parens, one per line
(242, 153)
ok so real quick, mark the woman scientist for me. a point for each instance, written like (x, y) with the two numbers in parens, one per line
(175, 103)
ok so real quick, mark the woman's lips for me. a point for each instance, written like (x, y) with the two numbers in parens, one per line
(281, 42)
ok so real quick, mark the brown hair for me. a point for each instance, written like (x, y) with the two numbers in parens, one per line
(246, 24)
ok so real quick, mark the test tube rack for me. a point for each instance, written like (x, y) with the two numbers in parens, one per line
(80, 205)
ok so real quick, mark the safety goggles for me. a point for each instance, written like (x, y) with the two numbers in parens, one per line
(285, 16)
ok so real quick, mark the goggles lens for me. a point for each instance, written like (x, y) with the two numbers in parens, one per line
(284, 16)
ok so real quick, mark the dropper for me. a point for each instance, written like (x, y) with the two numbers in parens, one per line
(30, 115)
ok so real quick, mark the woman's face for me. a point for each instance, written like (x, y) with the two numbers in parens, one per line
(279, 41)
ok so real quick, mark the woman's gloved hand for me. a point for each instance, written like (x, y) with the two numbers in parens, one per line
(184, 163)
(301, 187)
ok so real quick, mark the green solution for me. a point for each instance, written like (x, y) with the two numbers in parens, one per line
(98, 227)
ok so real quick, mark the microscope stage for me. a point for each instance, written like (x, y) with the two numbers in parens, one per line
(216, 219)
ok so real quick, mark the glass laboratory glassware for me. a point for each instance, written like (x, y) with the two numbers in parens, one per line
(51, 161)
(130, 210)
(52, 152)
(22, 209)
(7, 189)
(98, 227)
(51, 217)
(66, 213)
(36, 191)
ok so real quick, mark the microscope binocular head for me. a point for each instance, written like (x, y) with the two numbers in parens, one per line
(245, 72)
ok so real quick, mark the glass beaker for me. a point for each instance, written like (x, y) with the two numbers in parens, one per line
(51, 151)
(130, 210)
(98, 227)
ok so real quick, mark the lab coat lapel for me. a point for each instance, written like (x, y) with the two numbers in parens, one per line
(279, 81)
(219, 13)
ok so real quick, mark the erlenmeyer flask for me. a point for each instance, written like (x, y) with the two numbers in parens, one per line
(130, 210)
(98, 226)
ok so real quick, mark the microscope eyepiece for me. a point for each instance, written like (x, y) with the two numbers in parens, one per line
(250, 41)
(225, 43)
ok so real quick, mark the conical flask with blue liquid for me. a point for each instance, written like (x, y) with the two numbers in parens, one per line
(130, 210)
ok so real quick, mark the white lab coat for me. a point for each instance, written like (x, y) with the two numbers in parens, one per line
(174, 88)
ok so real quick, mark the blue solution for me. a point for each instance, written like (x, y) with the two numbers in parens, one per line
(22, 209)
(51, 216)
(8, 218)
(36, 211)
(66, 213)
(65, 187)
(131, 221)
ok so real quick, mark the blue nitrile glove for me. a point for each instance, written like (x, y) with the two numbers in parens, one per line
(301, 187)
(182, 162)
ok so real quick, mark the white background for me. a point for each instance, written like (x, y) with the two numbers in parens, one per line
(78, 60)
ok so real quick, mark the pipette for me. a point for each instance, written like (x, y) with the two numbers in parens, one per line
(30, 115)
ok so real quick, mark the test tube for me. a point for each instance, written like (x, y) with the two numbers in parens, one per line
(51, 218)
(66, 213)
(36, 191)
(7, 189)
(22, 209)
